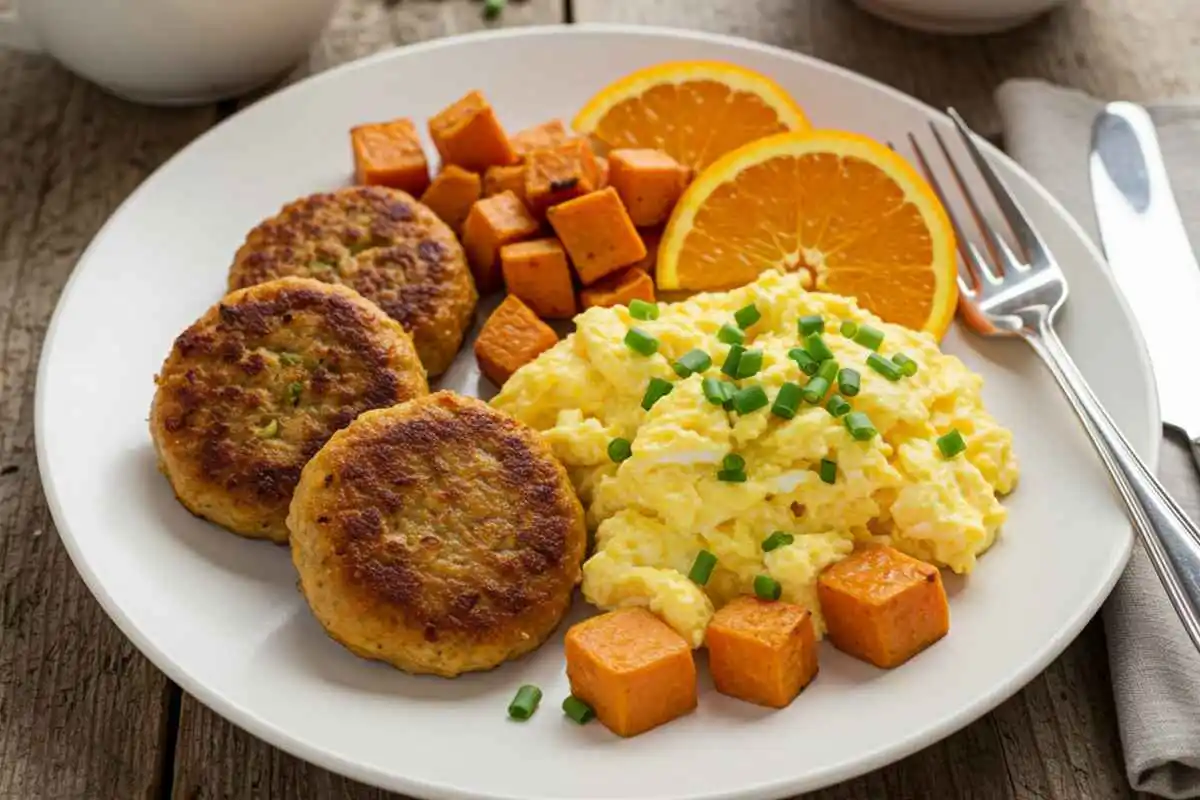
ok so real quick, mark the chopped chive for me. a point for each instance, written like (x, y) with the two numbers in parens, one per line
(579, 711)
(951, 444)
(731, 476)
(776, 540)
(814, 391)
(692, 362)
(289, 359)
(730, 367)
(293, 390)
(859, 425)
(869, 337)
(884, 367)
(828, 370)
(525, 703)
(717, 391)
(619, 450)
(837, 406)
(641, 342)
(656, 390)
(810, 324)
(907, 365)
(702, 568)
(828, 470)
(816, 347)
(750, 363)
(731, 334)
(749, 399)
(493, 8)
(849, 329)
(787, 400)
(808, 365)
(767, 588)
(268, 431)
(848, 382)
(747, 316)
(640, 309)
(733, 462)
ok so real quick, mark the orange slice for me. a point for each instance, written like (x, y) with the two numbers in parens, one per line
(845, 208)
(695, 111)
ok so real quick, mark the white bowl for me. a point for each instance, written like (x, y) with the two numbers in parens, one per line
(179, 52)
(959, 16)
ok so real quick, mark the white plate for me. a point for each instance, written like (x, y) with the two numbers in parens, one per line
(221, 615)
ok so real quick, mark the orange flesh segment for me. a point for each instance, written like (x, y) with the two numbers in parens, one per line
(841, 217)
(706, 120)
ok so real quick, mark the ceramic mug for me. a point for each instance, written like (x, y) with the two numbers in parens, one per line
(169, 52)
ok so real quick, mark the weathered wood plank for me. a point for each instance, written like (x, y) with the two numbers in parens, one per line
(82, 714)
(213, 758)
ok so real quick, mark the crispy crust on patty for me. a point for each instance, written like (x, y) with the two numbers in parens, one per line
(383, 244)
(439, 536)
(258, 384)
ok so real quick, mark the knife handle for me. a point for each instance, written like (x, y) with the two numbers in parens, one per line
(1171, 540)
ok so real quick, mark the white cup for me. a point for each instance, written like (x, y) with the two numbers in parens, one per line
(169, 52)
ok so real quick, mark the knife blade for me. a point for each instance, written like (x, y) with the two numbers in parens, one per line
(1151, 257)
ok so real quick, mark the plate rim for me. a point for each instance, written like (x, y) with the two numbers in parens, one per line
(836, 772)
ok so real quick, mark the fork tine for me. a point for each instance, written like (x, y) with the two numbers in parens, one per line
(978, 269)
(971, 268)
(1029, 239)
(996, 245)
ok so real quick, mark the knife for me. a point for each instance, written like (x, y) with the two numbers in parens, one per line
(1150, 255)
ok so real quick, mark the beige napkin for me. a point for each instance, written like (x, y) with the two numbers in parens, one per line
(1155, 668)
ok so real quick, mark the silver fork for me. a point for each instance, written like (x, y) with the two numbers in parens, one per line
(1017, 292)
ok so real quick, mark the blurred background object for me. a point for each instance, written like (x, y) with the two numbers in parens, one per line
(182, 52)
(959, 16)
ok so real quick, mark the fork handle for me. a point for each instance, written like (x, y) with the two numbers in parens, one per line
(1171, 540)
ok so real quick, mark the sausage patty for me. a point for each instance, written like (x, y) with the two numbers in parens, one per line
(259, 383)
(380, 242)
(440, 536)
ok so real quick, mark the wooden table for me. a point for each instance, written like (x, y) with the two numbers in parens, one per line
(84, 715)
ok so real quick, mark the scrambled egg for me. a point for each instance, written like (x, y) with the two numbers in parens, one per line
(655, 511)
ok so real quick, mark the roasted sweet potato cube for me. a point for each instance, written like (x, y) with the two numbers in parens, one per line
(505, 179)
(538, 272)
(632, 668)
(619, 289)
(556, 174)
(883, 606)
(468, 134)
(452, 194)
(761, 652)
(390, 154)
(598, 234)
(511, 338)
(492, 223)
(539, 137)
(602, 171)
(649, 183)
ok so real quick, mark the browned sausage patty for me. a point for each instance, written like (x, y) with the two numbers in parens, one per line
(380, 242)
(440, 536)
(259, 383)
